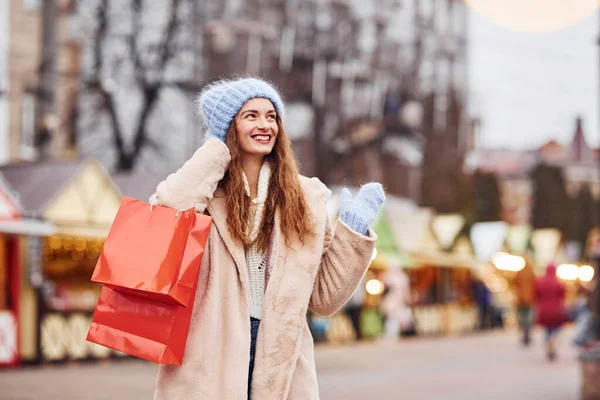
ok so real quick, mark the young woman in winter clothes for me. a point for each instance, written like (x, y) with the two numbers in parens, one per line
(271, 253)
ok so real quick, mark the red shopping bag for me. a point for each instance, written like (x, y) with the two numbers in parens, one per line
(144, 327)
(144, 249)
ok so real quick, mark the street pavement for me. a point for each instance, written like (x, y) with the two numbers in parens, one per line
(484, 366)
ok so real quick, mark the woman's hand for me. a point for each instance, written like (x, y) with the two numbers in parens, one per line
(359, 212)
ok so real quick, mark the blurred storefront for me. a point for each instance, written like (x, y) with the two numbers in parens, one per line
(442, 276)
(10, 215)
(441, 266)
(67, 210)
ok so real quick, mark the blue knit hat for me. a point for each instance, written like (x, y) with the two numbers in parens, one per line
(221, 101)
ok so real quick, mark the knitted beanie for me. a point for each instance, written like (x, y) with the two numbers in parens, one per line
(221, 101)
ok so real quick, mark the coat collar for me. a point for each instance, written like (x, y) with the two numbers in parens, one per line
(217, 208)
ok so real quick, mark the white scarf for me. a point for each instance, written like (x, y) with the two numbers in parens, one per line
(259, 201)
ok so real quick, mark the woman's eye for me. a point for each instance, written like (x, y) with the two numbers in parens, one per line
(250, 115)
(272, 116)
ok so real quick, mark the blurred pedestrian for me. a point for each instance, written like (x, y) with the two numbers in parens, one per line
(585, 334)
(271, 253)
(353, 309)
(525, 299)
(550, 308)
(483, 299)
(395, 303)
(581, 303)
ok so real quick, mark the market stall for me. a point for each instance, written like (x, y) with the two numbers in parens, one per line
(441, 271)
(70, 207)
(442, 291)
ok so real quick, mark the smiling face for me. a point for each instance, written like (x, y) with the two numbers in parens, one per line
(256, 127)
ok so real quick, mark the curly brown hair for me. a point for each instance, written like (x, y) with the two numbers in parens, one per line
(284, 192)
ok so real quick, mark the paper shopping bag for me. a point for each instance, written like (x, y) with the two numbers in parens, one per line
(144, 249)
(144, 327)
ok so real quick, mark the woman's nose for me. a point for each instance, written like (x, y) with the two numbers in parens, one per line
(262, 123)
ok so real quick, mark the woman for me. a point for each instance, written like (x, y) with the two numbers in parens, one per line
(525, 296)
(271, 254)
(550, 307)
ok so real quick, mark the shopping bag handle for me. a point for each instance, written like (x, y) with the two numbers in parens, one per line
(153, 204)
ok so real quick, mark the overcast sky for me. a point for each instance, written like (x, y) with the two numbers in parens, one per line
(528, 88)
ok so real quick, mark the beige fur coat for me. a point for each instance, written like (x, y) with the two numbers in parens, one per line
(321, 274)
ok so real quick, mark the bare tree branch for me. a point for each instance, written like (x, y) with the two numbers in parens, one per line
(150, 96)
(100, 36)
(165, 54)
(185, 85)
(109, 104)
(152, 91)
(136, 15)
(96, 82)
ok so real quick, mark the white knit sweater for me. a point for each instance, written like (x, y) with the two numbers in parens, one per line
(256, 261)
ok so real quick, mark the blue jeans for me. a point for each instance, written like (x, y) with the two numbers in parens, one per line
(254, 325)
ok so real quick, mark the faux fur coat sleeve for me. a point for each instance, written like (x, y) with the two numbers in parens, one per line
(336, 278)
(194, 184)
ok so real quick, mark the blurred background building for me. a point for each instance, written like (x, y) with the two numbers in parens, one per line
(374, 92)
(40, 79)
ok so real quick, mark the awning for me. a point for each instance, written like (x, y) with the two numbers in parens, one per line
(27, 227)
(31, 227)
(443, 259)
(385, 260)
(84, 231)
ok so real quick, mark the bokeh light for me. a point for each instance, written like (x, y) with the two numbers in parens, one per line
(567, 272)
(586, 273)
(374, 287)
(508, 262)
